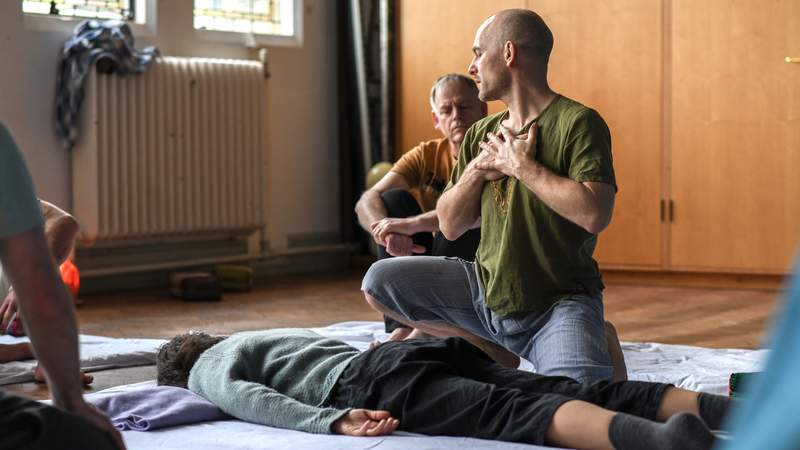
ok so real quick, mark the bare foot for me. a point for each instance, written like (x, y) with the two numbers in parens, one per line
(38, 376)
(416, 333)
(615, 352)
(400, 334)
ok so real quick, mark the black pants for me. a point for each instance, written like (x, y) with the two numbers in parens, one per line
(449, 387)
(30, 425)
(400, 203)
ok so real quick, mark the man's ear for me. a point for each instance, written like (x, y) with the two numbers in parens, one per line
(509, 53)
(435, 119)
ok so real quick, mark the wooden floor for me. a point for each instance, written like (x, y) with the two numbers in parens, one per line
(691, 316)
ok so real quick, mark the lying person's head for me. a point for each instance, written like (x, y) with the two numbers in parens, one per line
(177, 357)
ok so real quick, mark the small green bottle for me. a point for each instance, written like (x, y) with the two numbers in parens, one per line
(739, 381)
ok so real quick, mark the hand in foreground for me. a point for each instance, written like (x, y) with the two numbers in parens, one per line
(508, 153)
(7, 310)
(100, 421)
(365, 422)
(483, 165)
(402, 245)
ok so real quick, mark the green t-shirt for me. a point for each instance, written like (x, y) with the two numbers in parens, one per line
(19, 208)
(529, 256)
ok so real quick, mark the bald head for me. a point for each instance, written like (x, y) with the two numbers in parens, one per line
(524, 28)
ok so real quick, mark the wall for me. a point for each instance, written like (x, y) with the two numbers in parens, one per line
(303, 163)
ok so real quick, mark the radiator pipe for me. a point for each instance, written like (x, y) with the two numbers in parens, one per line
(361, 81)
(265, 256)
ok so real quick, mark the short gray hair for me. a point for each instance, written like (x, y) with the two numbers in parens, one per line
(451, 77)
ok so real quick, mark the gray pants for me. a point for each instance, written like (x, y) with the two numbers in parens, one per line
(567, 340)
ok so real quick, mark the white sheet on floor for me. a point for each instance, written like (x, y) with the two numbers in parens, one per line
(689, 367)
(97, 353)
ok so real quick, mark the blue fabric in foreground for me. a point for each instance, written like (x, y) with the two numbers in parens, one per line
(768, 418)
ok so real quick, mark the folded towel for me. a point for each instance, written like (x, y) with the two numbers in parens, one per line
(155, 407)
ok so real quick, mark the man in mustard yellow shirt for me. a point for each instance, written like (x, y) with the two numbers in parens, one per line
(403, 226)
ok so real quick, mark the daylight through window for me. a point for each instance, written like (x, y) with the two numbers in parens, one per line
(98, 9)
(272, 17)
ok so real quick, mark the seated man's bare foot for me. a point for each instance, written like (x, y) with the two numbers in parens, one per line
(400, 334)
(416, 333)
(38, 376)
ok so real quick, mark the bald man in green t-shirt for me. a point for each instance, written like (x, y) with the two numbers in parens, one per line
(538, 179)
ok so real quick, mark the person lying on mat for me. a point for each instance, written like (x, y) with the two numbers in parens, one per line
(398, 223)
(300, 380)
(49, 317)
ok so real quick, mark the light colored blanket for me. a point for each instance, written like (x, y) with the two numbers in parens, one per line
(96, 352)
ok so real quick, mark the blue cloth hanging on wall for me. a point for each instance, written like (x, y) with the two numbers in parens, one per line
(108, 44)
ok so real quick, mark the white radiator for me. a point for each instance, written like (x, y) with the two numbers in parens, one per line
(179, 150)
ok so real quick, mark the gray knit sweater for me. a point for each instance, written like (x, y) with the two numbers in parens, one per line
(281, 378)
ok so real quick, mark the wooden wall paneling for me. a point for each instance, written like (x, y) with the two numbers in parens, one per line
(609, 57)
(434, 38)
(735, 135)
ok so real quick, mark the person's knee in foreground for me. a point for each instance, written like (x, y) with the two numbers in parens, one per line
(297, 379)
(398, 223)
(539, 181)
(49, 318)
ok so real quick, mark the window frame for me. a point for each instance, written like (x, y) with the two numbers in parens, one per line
(252, 40)
(143, 25)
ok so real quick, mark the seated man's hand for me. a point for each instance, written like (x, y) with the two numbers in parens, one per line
(7, 310)
(365, 422)
(402, 245)
(389, 225)
(99, 420)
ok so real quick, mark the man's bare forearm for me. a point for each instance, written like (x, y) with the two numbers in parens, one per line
(370, 209)
(428, 221)
(570, 199)
(47, 311)
(460, 207)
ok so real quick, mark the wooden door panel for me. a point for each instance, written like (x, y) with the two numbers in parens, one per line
(735, 137)
(434, 38)
(609, 58)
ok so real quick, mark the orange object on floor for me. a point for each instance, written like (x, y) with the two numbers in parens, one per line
(71, 277)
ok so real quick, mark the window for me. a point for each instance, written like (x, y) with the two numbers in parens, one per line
(258, 17)
(123, 10)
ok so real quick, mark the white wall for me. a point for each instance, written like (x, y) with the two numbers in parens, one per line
(303, 163)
